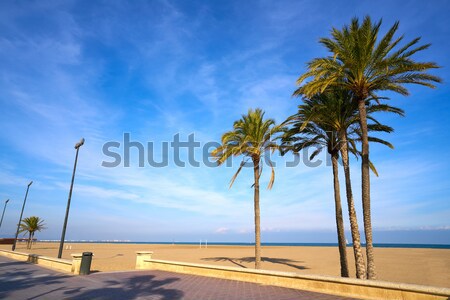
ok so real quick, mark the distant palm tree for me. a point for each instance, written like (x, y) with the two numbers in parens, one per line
(253, 137)
(365, 65)
(330, 120)
(31, 225)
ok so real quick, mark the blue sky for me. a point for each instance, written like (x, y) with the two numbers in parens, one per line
(154, 69)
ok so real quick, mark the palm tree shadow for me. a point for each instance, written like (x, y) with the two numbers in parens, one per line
(229, 259)
(239, 261)
(8, 283)
(282, 261)
(129, 288)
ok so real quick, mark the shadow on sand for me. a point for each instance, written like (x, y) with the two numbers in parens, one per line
(109, 257)
(239, 261)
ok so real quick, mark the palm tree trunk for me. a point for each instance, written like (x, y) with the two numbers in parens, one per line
(359, 259)
(365, 188)
(339, 219)
(29, 241)
(257, 214)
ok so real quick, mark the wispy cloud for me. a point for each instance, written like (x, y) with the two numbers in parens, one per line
(221, 230)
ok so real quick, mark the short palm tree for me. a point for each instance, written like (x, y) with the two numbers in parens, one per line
(31, 225)
(253, 137)
(330, 120)
(364, 64)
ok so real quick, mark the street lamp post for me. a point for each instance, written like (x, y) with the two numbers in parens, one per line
(63, 235)
(20, 219)
(4, 208)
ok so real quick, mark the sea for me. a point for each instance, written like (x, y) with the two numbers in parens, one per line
(206, 243)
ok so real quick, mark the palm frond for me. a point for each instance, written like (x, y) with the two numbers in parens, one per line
(237, 173)
(372, 167)
(364, 64)
(252, 136)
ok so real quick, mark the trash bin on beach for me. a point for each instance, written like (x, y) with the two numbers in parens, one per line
(86, 260)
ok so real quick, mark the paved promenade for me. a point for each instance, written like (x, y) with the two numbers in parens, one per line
(19, 280)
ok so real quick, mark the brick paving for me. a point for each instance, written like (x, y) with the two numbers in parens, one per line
(20, 280)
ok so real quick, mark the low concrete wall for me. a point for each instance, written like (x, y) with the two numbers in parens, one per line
(10, 241)
(44, 261)
(7, 241)
(363, 289)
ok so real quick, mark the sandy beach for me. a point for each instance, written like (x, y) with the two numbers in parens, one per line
(418, 266)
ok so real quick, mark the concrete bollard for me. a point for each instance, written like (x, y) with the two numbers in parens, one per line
(141, 256)
(76, 263)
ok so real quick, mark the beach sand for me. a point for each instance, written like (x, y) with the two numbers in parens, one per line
(417, 266)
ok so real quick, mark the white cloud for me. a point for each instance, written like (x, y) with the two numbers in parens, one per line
(221, 230)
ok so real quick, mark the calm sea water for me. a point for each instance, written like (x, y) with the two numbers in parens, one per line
(420, 246)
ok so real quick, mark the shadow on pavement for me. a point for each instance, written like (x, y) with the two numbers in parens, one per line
(20, 280)
(128, 288)
(19, 277)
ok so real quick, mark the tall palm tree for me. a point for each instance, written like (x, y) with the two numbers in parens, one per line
(252, 136)
(320, 136)
(330, 120)
(31, 225)
(365, 65)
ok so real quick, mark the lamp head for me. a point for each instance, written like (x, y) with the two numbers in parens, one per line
(79, 144)
(6, 201)
(31, 182)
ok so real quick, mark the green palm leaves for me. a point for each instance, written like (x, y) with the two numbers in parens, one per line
(252, 137)
(31, 225)
(364, 64)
